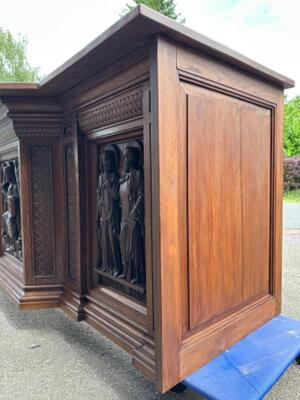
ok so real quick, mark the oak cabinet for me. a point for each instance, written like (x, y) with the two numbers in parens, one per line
(142, 191)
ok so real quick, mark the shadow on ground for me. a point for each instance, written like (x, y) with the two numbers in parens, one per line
(45, 355)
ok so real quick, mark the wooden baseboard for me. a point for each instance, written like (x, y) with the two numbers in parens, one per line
(27, 297)
(73, 304)
(127, 332)
(102, 309)
(43, 296)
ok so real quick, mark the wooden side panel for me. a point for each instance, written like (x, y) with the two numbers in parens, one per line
(256, 178)
(215, 273)
(229, 156)
(214, 207)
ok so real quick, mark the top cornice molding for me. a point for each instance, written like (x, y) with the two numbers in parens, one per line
(136, 29)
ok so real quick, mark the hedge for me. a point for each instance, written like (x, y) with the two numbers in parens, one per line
(291, 173)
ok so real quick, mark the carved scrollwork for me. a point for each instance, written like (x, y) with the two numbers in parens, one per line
(119, 108)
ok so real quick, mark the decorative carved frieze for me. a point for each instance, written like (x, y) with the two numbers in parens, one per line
(38, 127)
(119, 108)
(71, 211)
(11, 221)
(42, 210)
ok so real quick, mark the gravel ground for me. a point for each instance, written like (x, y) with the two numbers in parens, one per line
(45, 355)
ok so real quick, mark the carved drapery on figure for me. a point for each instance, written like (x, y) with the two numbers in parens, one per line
(11, 223)
(132, 226)
(109, 212)
(120, 215)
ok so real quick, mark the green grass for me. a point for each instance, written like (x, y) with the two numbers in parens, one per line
(292, 196)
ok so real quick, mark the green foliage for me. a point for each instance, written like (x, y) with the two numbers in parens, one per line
(292, 126)
(166, 7)
(14, 66)
(292, 196)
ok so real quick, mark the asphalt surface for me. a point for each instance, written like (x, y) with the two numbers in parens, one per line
(291, 215)
(46, 356)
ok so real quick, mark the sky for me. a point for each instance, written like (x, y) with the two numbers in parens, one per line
(268, 31)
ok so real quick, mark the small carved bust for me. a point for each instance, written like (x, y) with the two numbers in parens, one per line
(109, 212)
(132, 223)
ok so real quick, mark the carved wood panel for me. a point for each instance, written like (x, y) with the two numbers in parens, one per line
(11, 209)
(71, 211)
(42, 211)
(119, 108)
(120, 217)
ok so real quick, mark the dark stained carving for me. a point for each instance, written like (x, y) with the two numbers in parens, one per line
(109, 212)
(11, 223)
(132, 225)
(38, 127)
(42, 210)
(71, 211)
(119, 108)
(120, 206)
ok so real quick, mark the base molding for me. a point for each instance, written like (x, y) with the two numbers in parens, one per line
(101, 308)
(73, 304)
(38, 297)
(126, 332)
(27, 297)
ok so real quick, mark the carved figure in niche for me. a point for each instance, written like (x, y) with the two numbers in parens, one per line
(109, 212)
(11, 231)
(132, 223)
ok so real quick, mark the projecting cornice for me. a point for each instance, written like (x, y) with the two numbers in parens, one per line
(29, 117)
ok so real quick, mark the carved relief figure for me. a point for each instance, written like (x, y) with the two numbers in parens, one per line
(109, 212)
(11, 231)
(132, 224)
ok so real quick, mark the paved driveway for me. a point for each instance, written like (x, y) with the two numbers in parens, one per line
(46, 356)
(291, 216)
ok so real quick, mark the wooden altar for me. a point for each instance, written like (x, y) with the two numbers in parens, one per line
(142, 193)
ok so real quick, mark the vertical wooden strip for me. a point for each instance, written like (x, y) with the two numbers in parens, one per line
(148, 204)
(256, 177)
(166, 261)
(277, 189)
(71, 212)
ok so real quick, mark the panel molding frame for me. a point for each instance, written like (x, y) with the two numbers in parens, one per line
(187, 81)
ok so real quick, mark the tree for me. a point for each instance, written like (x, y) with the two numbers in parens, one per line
(166, 7)
(292, 126)
(14, 66)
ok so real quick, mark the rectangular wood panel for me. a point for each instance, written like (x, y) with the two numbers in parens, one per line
(214, 208)
(228, 204)
(256, 159)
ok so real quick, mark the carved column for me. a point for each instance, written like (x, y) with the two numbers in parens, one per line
(72, 300)
(42, 214)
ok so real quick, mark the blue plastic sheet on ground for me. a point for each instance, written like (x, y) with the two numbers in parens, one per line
(249, 369)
